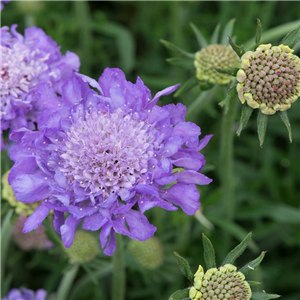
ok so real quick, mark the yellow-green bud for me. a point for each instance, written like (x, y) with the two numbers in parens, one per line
(215, 57)
(85, 247)
(148, 253)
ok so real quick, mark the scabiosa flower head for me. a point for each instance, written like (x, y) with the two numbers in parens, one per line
(269, 78)
(85, 247)
(25, 294)
(2, 2)
(213, 57)
(105, 160)
(32, 240)
(26, 61)
(222, 283)
(149, 253)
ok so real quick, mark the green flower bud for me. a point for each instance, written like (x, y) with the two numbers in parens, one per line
(222, 283)
(85, 247)
(148, 253)
(215, 57)
(269, 78)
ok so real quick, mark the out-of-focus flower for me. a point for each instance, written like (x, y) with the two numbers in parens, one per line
(225, 282)
(2, 2)
(85, 247)
(25, 294)
(31, 240)
(269, 78)
(9, 195)
(26, 61)
(214, 54)
(105, 160)
(149, 253)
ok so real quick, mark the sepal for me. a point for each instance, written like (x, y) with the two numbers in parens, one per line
(227, 31)
(177, 49)
(262, 122)
(258, 33)
(215, 35)
(245, 116)
(231, 71)
(239, 50)
(180, 295)
(285, 119)
(200, 38)
(252, 264)
(292, 38)
(230, 93)
(183, 62)
(192, 82)
(263, 296)
(209, 253)
(184, 267)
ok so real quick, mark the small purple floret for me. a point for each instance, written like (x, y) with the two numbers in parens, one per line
(26, 61)
(25, 294)
(102, 160)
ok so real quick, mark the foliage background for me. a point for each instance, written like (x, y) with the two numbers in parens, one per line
(267, 180)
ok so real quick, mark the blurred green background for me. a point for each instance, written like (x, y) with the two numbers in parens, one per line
(267, 180)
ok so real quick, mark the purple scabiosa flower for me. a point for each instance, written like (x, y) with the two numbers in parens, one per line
(25, 294)
(103, 160)
(2, 2)
(26, 61)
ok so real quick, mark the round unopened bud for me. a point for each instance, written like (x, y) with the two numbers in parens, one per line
(269, 78)
(215, 57)
(222, 283)
(148, 253)
(85, 247)
(20, 207)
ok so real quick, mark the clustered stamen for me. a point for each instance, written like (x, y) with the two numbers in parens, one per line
(269, 78)
(215, 57)
(107, 152)
(218, 284)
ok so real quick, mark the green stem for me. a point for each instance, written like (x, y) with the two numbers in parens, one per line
(226, 158)
(118, 280)
(66, 283)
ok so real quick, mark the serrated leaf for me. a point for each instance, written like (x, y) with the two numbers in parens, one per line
(262, 122)
(186, 86)
(184, 267)
(230, 93)
(183, 62)
(231, 71)
(292, 38)
(215, 35)
(200, 38)
(245, 116)
(253, 283)
(286, 121)
(252, 264)
(263, 296)
(209, 253)
(239, 50)
(238, 250)
(180, 295)
(227, 32)
(258, 33)
(177, 49)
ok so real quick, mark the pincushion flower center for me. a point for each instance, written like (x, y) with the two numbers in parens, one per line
(106, 152)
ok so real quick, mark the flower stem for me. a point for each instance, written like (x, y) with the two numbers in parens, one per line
(226, 158)
(118, 281)
(67, 281)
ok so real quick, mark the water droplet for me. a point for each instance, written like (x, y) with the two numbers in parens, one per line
(46, 178)
(80, 209)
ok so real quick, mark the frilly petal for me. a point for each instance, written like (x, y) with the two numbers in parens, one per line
(37, 218)
(68, 230)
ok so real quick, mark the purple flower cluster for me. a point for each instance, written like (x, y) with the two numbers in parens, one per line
(25, 294)
(103, 160)
(26, 61)
(2, 2)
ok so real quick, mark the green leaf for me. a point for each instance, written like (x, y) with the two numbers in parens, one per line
(258, 33)
(205, 85)
(231, 71)
(245, 116)
(177, 49)
(292, 38)
(184, 267)
(252, 264)
(215, 35)
(238, 250)
(200, 38)
(230, 93)
(254, 283)
(239, 50)
(286, 121)
(262, 122)
(186, 86)
(6, 231)
(209, 253)
(182, 62)
(180, 295)
(263, 296)
(227, 32)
